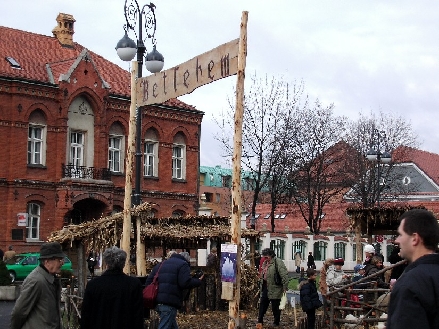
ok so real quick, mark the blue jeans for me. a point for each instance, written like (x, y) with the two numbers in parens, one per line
(168, 316)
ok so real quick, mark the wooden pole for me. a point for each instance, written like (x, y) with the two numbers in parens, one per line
(359, 249)
(236, 175)
(140, 251)
(127, 203)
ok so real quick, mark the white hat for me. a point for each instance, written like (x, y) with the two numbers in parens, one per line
(369, 248)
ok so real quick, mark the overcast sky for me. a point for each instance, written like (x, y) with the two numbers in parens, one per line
(360, 55)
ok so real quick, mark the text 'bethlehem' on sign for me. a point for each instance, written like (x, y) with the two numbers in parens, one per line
(215, 64)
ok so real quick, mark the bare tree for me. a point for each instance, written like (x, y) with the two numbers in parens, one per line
(316, 171)
(390, 132)
(267, 103)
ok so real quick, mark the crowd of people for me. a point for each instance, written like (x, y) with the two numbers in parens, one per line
(114, 299)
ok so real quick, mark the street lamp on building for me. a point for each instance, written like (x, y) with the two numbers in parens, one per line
(144, 19)
(378, 153)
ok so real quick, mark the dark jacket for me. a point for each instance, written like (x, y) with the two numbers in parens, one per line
(368, 264)
(379, 278)
(113, 300)
(309, 298)
(414, 300)
(174, 277)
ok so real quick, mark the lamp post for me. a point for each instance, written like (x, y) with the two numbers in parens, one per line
(143, 18)
(126, 49)
(381, 156)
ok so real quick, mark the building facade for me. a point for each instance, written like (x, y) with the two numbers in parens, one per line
(64, 114)
(215, 190)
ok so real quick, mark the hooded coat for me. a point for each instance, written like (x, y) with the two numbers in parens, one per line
(174, 278)
(309, 297)
(414, 300)
(274, 291)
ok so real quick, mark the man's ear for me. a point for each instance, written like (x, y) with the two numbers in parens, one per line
(416, 239)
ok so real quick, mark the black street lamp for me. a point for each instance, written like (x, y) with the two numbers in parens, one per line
(126, 50)
(379, 154)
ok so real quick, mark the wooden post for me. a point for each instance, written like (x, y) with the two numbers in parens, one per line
(359, 249)
(140, 251)
(82, 271)
(127, 203)
(236, 175)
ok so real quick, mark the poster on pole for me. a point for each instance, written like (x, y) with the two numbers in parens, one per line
(228, 262)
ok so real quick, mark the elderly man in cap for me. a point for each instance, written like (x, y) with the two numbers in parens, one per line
(39, 303)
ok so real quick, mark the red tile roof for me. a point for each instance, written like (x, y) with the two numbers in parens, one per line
(37, 54)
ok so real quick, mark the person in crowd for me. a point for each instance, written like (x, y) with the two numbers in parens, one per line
(91, 263)
(212, 258)
(170, 253)
(358, 273)
(369, 250)
(257, 260)
(335, 275)
(394, 258)
(323, 286)
(376, 266)
(38, 305)
(309, 297)
(270, 291)
(414, 299)
(174, 279)
(297, 260)
(9, 254)
(2, 253)
(114, 299)
(323, 274)
(311, 263)
(302, 275)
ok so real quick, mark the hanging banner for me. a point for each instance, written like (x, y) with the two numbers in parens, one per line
(228, 262)
(218, 63)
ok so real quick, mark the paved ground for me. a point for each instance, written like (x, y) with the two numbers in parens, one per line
(5, 313)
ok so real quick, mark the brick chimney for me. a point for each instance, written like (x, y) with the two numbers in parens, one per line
(64, 30)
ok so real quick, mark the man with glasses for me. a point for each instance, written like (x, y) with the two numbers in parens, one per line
(39, 303)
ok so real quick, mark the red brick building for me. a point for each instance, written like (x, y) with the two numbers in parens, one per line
(64, 114)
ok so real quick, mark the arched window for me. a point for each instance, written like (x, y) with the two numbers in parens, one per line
(150, 154)
(178, 213)
(340, 250)
(279, 248)
(179, 157)
(36, 140)
(299, 246)
(320, 250)
(116, 142)
(33, 221)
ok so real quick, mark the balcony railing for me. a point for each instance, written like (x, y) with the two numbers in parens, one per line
(82, 172)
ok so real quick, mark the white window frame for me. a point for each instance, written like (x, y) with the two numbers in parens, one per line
(36, 149)
(150, 158)
(33, 221)
(115, 153)
(178, 161)
(77, 148)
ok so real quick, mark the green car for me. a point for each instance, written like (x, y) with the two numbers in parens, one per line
(21, 265)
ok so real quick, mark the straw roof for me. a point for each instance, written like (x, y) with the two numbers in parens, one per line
(104, 232)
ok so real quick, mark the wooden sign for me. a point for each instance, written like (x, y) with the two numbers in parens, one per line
(218, 63)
